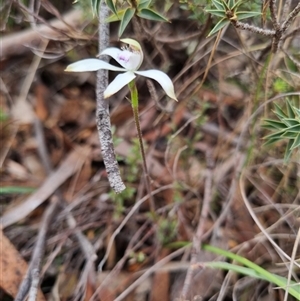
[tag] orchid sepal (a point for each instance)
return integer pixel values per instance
(118, 83)
(91, 65)
(162, 78)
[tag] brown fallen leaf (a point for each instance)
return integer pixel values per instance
(71, 164)
(13, 268)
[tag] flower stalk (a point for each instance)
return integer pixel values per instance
(130, 59)
(135, 110)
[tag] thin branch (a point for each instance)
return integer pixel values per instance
(277, 42)
(198, 237)
(274, 18)
(148, 272)
(294, 60)
(291, 17)
(291, 33)
(286, 9)
(32, 279)
(254, 29)
(15, 43)
(102, 111)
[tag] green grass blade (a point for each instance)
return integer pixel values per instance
(257, 271)
(15, 190)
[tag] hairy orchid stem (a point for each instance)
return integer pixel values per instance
(135, 109)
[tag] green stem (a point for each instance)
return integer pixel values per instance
(135, 109)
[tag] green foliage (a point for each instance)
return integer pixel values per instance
(167, 230)
(3, 116)
(286, 127)
(196, 7)
(140, 8)
(131, 174)
(281, 86)
(138, 257)
(133, 162)
(228, 11)
(120, 198)
(15, 190)
(245, 267)
(251, 269)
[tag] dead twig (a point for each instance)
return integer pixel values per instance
(102, 111)
(278, 31)
(17, 43)
(198, 237)
(32, 279)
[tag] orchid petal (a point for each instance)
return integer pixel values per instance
(127, 59)
(91, 65)
(118, 83)
(162, 78)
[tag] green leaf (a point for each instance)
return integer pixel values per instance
(290, 121)
(297, 112)
(216, 12)
(231, 4)
(111, 6)
(219, 5)
(274, 124)
(290, 110)
(288, 152)
(294, 128)
(147, 13)
(276, 135)
(237, 4)
(296, 142)
(245, 15)
(128, 15)
(278, 111)
(117, 17)
(289, 135)
(271, 141)
(95, 7)
(144, 4)
(222, 23)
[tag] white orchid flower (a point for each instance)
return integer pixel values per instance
(130, 59)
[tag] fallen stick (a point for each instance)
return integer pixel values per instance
(17, 43)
